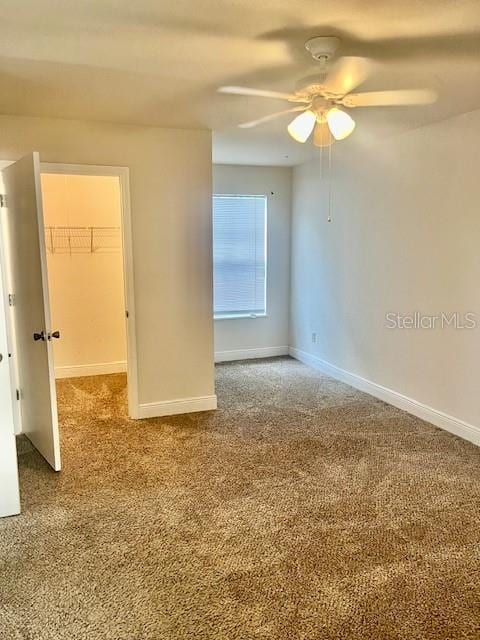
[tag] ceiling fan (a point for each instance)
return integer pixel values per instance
(319, 98)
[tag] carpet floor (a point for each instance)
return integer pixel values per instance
(301, 509)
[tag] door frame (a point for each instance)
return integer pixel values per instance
(123, 175)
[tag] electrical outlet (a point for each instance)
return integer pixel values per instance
(314, 337)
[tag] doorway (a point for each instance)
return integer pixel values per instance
(87, 234)
(82, 219)
(82, 242)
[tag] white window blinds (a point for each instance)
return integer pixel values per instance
(239, 255)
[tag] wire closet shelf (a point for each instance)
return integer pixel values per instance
(73, 240)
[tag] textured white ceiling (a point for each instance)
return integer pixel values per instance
(159, 63)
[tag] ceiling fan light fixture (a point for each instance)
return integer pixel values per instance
(301, 127)
(340, 123)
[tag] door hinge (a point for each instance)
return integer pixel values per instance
(3, 200)
(19, 395)
(126, 314)
(11, 299)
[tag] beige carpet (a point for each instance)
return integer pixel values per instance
(301, 509)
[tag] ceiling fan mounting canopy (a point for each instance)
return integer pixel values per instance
(322, 48)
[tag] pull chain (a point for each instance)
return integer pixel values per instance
(321, 162)
(329, 175)
(329, 218)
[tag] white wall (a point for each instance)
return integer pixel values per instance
(248, 337)
(170, 184)
(86, 288)
(405, 237)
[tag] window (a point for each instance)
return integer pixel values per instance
(239, 255)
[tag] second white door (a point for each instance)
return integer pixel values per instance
(31, 311)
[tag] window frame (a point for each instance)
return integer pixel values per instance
(243, 315)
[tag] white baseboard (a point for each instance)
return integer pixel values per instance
(173, 407)
(80, 370)
(423, 411)
(248, 354)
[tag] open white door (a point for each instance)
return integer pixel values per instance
(9, 494)
(31, 311)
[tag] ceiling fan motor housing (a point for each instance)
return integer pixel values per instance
(310, 86)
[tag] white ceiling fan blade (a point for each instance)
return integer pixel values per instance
(346, 74)
(390, 98)
(271, 116)
(260, 93)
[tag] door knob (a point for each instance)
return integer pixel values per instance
(39, 336)
(54, 334)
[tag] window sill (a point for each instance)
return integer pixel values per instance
(250, 316)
